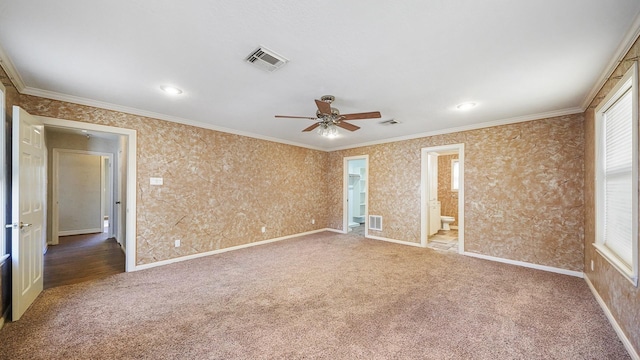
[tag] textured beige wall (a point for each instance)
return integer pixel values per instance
(219, 189)
(448, 198)
(523, 189)
(621, 297)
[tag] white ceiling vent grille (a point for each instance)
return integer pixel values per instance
(266, 59)
(390, 122)
(375, 222)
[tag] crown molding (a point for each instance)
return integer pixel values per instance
(513, 120)
(10, 69)
(625, 45)
(129, 110)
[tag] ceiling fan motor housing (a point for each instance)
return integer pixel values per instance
(334, 113)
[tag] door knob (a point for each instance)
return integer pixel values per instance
(24, 225)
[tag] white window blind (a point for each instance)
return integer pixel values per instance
(618, 178)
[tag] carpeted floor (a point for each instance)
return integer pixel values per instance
(323, 296)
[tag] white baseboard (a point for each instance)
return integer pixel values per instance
(579, 274)
(79, 232)
(220, 251)
(4, 316)
(336, 231)
(625, 341)
(393, 241)
(454, 227)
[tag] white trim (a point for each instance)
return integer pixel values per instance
(5, 316)
(55, 215)
(79, 232)
(623, 48)
(345, 193)
(10, 69)
(612, 320)
(4, 176)
(552, 269)
(19, 84)
(514, 120)
(628, 82)
(424, 186)
(220, 251)
(336, 231)
(401, 242)
(131, 210)
(150, 114)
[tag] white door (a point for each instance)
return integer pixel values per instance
(28, 212)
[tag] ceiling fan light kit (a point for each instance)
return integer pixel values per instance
(328, 130)
(329, 118)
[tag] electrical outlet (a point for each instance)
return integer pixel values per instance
(313, 221)
(591, 265)
(264, 229)
(176, 243)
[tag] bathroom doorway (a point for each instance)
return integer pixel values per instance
(442, 198)
(356, 188)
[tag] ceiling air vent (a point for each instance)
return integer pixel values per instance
(266, 59)
(390, 122)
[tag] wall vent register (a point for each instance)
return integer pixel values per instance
(375, 222)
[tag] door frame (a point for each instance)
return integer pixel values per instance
(131, 178)
(4, 182)
(345, 193)
(55, 214)
(424, 188)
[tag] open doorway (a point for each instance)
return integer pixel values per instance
(119, 178)
(83, 165)
(356, 191)
(442, 200)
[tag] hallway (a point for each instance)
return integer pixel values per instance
(80, 258)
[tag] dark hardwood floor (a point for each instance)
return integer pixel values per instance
(80, 258)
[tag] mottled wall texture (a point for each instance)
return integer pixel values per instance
(621, 297)
(523, 189)
(448, 198)
(219, 189)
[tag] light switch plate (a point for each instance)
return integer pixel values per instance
(155, 181)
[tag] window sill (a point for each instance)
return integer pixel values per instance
(617, 263)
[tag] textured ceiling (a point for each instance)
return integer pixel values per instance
(413, 61)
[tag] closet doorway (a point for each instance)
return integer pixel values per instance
(356, 195)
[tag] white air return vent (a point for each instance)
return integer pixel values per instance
(375, 222)
(266, 59)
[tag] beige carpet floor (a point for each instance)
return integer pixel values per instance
(324, 296)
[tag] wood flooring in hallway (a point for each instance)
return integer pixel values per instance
(80, 258)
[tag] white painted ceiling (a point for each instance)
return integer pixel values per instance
(413, 61)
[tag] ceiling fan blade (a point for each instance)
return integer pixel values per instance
(324, 107)
(311, 127)
(346, 125)
(296, 117)
(360, 116)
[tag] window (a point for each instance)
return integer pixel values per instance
(617, 176)
(455, 175)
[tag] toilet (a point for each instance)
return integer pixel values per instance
(446, 220)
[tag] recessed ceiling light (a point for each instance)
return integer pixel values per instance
(171, 90)
(466, 106)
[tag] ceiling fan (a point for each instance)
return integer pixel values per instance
(328, 118)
